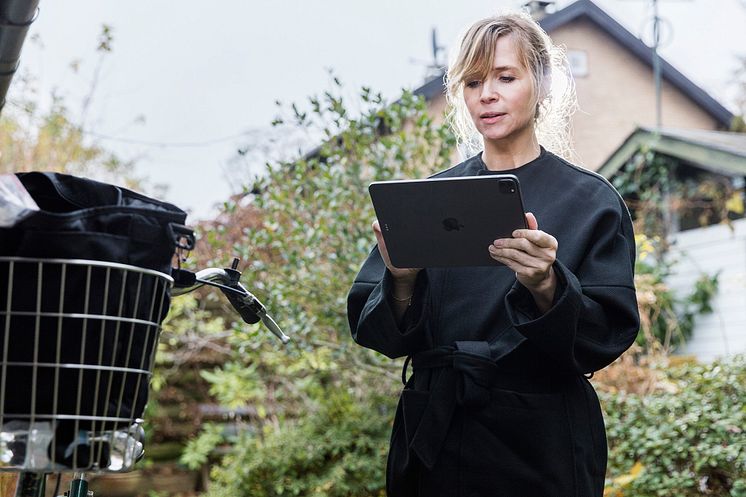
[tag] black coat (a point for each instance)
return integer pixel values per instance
(499, 403)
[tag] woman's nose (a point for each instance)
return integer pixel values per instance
(489, 92)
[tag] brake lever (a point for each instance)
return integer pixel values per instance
(251, 309)
(242, 300)
(249, 306)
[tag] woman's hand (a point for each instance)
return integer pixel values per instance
(530, 253)
(401, 275)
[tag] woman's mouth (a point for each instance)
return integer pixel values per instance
(491, 117)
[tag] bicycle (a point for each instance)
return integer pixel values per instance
(83, 411)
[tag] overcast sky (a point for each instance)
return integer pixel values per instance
(184, 73)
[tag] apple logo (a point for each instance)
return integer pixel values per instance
(452, 224)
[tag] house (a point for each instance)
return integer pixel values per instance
(695, 249)
(613, 72)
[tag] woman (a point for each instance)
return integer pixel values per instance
(499, 403)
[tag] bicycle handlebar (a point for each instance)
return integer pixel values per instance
(245, 303)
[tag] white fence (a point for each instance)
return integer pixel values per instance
(710, 250)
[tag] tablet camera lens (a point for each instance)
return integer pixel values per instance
(507, 187)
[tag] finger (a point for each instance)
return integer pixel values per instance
(511, 264)
(547, 253)
(515, 266)
(527, 271)
(522, 244)
(379, 239)
(531, 221)
(381, 244)
(537, 237)
(524, 260)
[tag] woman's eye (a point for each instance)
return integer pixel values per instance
(507, 79)
(473, 84)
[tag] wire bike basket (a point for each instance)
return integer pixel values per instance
(77, 346)
(83, 290)
(86, 279)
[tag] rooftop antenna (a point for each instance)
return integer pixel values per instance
(436, 67)
(657, 64)
(657, 20)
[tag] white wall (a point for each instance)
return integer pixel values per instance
(712, 249)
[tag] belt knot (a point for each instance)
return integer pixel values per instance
(465, 381)
(473, 383)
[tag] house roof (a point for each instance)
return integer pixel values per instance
(720, 152)
(586, 9)
(432, 88)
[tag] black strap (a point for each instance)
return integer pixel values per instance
(478, 348)
(404, 369)
(465, 381)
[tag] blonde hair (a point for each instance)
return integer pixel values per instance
(554, 89)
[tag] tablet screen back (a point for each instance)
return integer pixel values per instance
(447, 222)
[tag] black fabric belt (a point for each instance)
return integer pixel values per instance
(469, 373)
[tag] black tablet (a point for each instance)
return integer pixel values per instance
(447, 222)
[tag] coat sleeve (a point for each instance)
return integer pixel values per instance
(594, 316)
(371, 318)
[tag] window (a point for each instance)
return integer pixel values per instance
(578, 60)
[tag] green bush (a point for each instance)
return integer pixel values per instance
(304, 228)
(338, 452)
(686, 440)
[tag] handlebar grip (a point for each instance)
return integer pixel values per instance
(183, 278)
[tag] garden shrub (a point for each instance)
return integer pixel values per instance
(682, 441)
(338, 452)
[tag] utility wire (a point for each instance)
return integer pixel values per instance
(161, 144)
(195, 144)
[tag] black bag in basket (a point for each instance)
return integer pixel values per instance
(108, 312)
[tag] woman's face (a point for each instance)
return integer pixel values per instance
(502, 106)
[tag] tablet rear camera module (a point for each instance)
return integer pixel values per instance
(507, 186)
